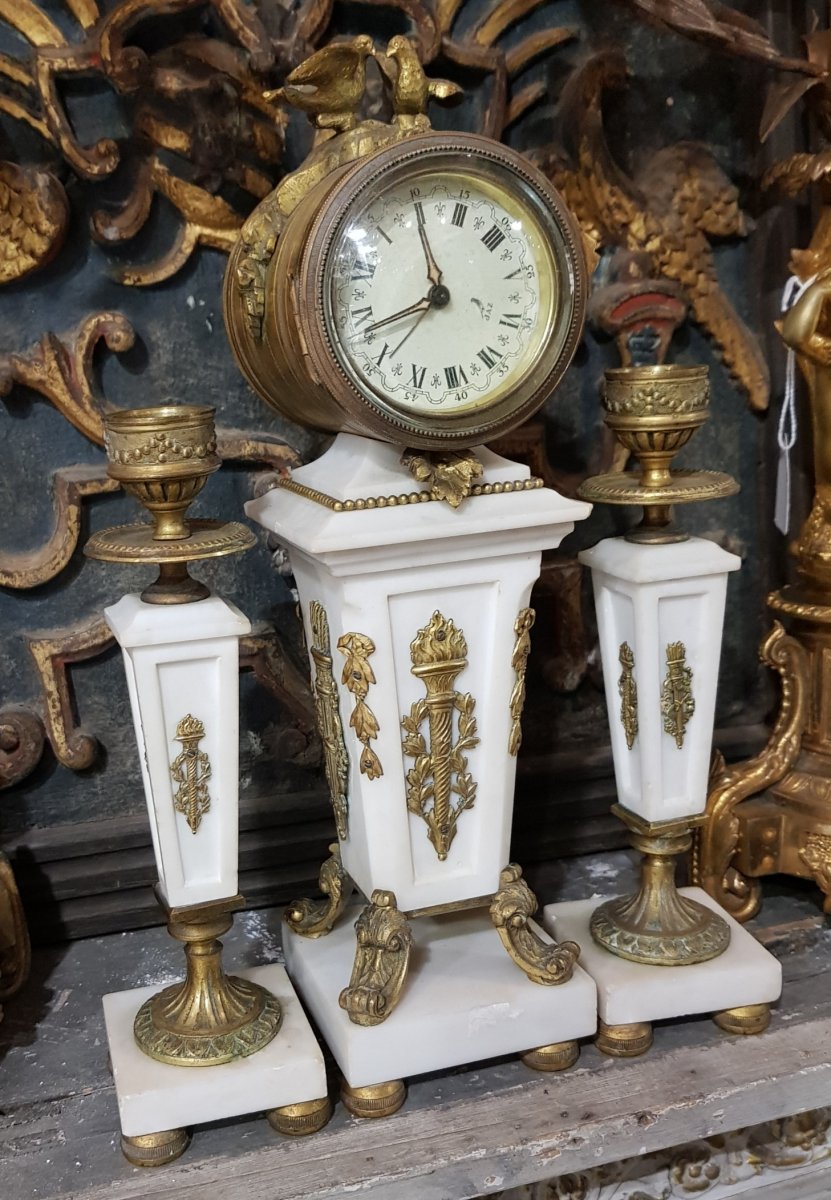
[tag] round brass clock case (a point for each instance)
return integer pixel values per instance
(431, 294)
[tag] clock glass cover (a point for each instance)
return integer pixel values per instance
(448, 285)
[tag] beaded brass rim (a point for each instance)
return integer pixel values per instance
(479, 489)
(136, 544)
(376, 416)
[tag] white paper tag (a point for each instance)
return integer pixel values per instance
(787, 430)
(782, 504)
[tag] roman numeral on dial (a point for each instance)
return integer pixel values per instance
(493, 238)
(382, 355)
(459, 214)
(512, 320)
(455, 377)
(362, 316)
(489, 356)
(362, 271)
(418, 376)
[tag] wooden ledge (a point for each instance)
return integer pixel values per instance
(466, 1133)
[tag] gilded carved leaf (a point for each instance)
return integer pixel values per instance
(34, 213)
(667, 214)
(720, 25)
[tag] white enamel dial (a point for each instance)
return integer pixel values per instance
(440, 291)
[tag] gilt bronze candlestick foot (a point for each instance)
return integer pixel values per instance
(299, 1120)
(656, 925)
(624, 1041)
(211, 1017)
(155, 1149)
(557, 1057)
(374, 1100)
(749, 1019)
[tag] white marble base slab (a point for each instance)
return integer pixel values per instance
(464, 1000)
(154, 1097)
(629, 992)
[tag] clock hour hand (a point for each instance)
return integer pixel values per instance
(420, 307)
(433, 272)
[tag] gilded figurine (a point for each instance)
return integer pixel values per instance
(770, 813)
(330, 84)
(411, 89)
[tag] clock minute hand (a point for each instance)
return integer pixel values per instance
(422, 306)
(433, 272)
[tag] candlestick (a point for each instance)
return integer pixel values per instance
(660, 598)
(181, 655)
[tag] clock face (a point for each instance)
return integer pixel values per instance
(443, 291)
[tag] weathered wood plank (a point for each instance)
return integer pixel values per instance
(466, 1133)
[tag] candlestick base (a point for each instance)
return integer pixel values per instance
(736, 988)
(658, 926)
(286, 1079)
(211, 1017)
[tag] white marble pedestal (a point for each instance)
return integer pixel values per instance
(630, 995)
(464, 999)
(154, 1097)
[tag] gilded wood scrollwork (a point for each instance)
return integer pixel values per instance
(716, 841)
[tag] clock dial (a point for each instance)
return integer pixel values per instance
(441, 288)
(430, 293)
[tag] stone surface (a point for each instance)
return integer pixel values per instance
(154, 1096)
(464, 1000)
(627, 992)
(650, 597)
(183, 660)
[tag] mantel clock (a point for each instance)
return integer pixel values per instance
(417, 293)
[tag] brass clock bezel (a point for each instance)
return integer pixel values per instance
(290, 361)
(370, 413)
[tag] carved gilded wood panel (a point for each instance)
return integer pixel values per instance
(135, 139)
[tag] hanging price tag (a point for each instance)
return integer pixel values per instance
(787, 430)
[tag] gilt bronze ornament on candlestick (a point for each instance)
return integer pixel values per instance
(181, 654)
(660, 597)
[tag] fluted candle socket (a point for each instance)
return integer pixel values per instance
(163, 456)
(653, 412)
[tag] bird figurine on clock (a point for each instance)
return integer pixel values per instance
(418, 294)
